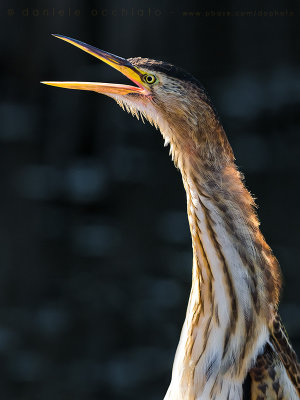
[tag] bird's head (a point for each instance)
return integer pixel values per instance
(167, 96)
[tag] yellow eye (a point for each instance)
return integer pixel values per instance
(150, 79)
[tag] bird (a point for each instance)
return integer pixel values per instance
(233, 345)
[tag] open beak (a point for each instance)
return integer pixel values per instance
(119, 63)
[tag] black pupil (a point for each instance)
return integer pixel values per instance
(149, 79)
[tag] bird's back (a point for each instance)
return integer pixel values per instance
(276, 373)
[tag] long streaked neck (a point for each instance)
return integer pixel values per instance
(234, 282)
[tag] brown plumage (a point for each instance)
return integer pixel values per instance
(233, 345)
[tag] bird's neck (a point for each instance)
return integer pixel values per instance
(234, 283)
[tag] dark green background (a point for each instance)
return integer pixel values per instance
(95, 252)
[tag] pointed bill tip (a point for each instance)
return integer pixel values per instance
(68, 85)
(58, 35)
(47, 83)
(66, 38)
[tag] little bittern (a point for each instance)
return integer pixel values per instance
(233, 345)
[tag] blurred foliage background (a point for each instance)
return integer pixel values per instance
(95, 248)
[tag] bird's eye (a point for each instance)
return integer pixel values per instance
(150, 79)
